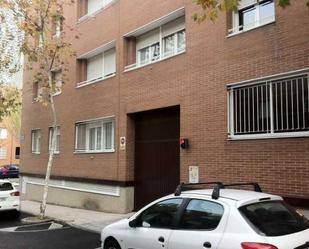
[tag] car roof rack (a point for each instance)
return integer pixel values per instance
(216, 192)
(190, 186)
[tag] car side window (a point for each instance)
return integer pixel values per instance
(201, 215)
(160, 215)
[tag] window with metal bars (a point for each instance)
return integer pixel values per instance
(271, 107)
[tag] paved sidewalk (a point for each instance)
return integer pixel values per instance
(85, 219)
(304, 212)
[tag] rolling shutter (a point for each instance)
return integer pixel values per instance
(109, 62)
(95, 67)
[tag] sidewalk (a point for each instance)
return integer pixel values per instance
(304, 212)
(80, 218)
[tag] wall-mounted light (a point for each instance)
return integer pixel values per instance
(184, 143)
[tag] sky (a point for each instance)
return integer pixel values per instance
(10, 42)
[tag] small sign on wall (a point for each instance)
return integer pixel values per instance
(122, 143)
(194, 174)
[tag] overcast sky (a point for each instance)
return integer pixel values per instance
(10, 41)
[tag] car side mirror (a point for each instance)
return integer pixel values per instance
(133, 223)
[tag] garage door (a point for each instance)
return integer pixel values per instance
(157, 168)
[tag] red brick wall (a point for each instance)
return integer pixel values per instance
(10, 143)
(195, 80)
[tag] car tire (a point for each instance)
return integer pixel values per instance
(111, 244)
(16, 214)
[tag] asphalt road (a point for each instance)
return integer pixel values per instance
(60, 238)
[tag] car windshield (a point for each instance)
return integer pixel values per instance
(274, 218)
(6, 186)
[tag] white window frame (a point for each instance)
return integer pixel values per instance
(272, 133)
(57, 150)
(3, 133)
(59, 91)
(104, 4)
(58, 28)
(176, 48)
(36, 150)
(3, 153)
(161, 56)
(94, 124)
(99, 51)
(236, 28)
(151, 58)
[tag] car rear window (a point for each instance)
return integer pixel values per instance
(6, 186)
(274, 218)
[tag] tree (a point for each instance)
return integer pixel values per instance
(212, 8)
(10, 43)
(46, 53)
(12, 120)
(10, 101)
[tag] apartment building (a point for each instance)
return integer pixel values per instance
(154, 99)
(9, 148)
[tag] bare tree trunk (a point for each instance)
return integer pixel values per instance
(51, 151)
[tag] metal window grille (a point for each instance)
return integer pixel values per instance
(275, 106)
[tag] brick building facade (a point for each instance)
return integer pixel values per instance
(9, 148)
(146, 75)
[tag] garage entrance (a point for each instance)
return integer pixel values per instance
(157, 168)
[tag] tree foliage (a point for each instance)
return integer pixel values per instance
(10, 43)
(46, 51)
(10, 101)
(12, 121)
(212, 8)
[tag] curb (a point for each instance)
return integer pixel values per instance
(63, 222)
(84, 228)
(35, 220)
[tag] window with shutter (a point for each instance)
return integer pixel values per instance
(36, 141)
(252, 14)
(109, 62)
(95, 67)
(95, 136)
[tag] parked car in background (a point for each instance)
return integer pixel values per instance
(9, 197)
(218, 218)
(9, 171)
(3, 172)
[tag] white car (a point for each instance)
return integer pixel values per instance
(9, 197)
(218, 218)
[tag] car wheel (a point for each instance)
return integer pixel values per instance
(15, 214)
(111, 244)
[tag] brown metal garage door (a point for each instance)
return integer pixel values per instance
(156, 154)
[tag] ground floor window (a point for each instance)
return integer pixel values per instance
(35, 141)
(57, 145)
(17, 153)
(3, 153)
(95, 136)
(270, 107)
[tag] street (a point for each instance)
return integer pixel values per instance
(50, 235)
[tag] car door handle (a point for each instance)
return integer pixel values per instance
(207, 244)
(161, 239)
